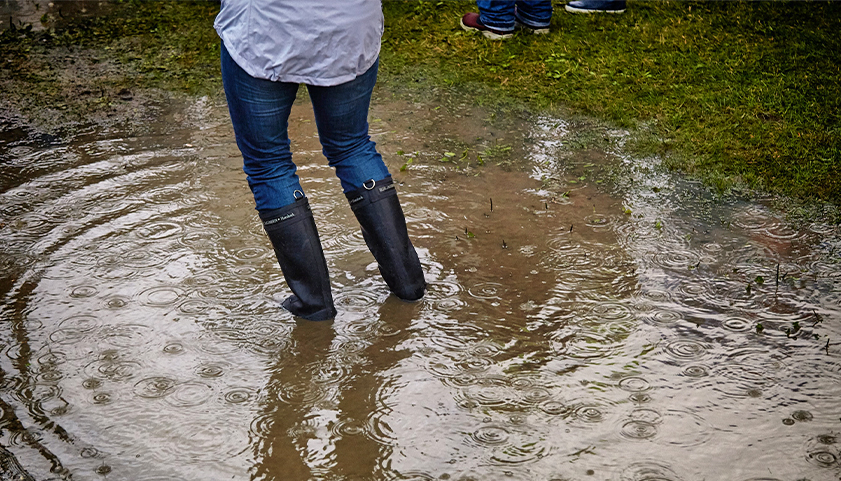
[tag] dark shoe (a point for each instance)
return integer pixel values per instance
(472, 23)
(298, 249)
(592, 6)
(384, 230)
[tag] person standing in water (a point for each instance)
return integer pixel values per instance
(269, 48)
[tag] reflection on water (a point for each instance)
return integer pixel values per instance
(571, 330)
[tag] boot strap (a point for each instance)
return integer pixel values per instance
(364, 196)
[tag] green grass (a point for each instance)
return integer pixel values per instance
(737, 93)
(153, 44)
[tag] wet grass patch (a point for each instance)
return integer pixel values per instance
(738, 93)
(77, 69)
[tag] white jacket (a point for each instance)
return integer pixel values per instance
(315, 42)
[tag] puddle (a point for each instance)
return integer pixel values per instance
(578, 325)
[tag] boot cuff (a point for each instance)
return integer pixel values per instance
(288, 214)
(363, 196)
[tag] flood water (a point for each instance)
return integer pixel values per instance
(625, 328)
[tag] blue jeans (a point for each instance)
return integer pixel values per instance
(500, 15)
(259, 111)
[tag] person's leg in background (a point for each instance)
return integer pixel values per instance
(259, 112)
(341, 115)
(495, 19)
(596, 6)
(534, 15)
(497, 14)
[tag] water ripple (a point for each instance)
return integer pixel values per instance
(347, 428)
(490, 435)
(160, 296)
(664, 317)
(262, 425)
(113, 370)
(158, 230)
(211, 370)
(696, 371)
(141, 258)
(823, 451)
(129, 335)
(649, 471)
(188, 394)
(519, 449)
(591, 410)
(327, 372)
(80, 292)
(155, 387)
(102, 398)
(239, 395)
(298, 394)
(684, 428)
(610, 311)
(483, 349)
(636, 429)
(174, 347)
(490, 395)
(686, 349)
(678, 260)
(449, 305)
(737, 324)
(586, 345)
(749, 372)
(80, 324)
(443, 289)
(555, 408)
(378, 429)
(487, 291)
(266, 346)
(599, 221)
(634, 384)
(474, 364)
(116, 302)
(52, 359)
(354, 299)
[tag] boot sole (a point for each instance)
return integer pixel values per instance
(537, 31)
(584, 10)
(487, 33)
(533, 30)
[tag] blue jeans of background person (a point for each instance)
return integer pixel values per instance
(260, 110)
(501, 15)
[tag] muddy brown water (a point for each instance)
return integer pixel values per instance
(574, 328)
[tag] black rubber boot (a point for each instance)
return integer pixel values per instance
(298, 249)
(384, 229)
